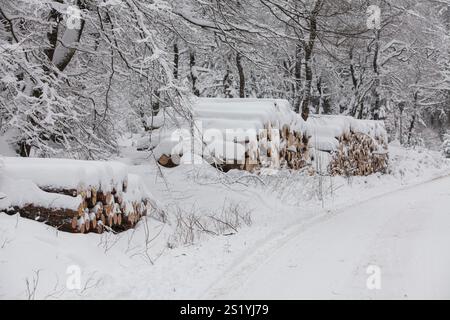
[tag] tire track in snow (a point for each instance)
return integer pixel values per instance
(251, 259)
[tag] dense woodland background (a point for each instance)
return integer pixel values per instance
(72, 82)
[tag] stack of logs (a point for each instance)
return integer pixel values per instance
(97, 212)
(274, 148)
(359, 155)
(294, 149)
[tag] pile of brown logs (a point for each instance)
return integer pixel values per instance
(97, 212)
(274, 148)
(359, 155)
(294, 150)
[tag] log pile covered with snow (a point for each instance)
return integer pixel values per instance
(247, 134)
(255, 134)
(73, 195)
(354, 147)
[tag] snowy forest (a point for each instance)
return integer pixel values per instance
(72, 91)
(117, 163)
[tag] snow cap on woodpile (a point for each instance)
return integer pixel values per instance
(22, 192)
(67, 173)
(240, 113)
(326, 130)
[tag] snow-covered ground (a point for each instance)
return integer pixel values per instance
(401, 238)
(224, 235)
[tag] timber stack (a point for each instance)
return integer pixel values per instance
(258, 134)
(244, 134)
(356, 147)
(71, 195)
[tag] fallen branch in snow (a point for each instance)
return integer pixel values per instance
(191, 225)
(32, 286)
(254, 177)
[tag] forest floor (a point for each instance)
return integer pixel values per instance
(318, 232)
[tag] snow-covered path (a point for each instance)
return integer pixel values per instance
(406, 234)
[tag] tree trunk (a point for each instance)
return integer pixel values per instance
(361, 111)
(52, 35)
(176, 60)
(24, 149)
(356, 104)
(65, 51)
(156, 103)
(194, 75)
(414, 117)
(241, 76)
(401, 107)
(319, 107)
(377, 82)
(308, 48)
(411, 127)
(308, 84)
(227, 84)
(298, 75)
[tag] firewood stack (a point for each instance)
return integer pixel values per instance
(97, 212)
(80, 208)
(282, 148)
(359, 155)
(275, 135)
(273, 148)
(294, 148)
(355, 147)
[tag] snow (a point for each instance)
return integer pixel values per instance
(329, 126)
(166, 136)
(287, 233)
(225, 150)
(324, 143)
(307, 214)
(66, 173)
(20, 192)
(372, 128)
(325, 130)
(155, 121)
(137, 190)
(5, 147)
(321, 159)
(405, 235)
(257, 111)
